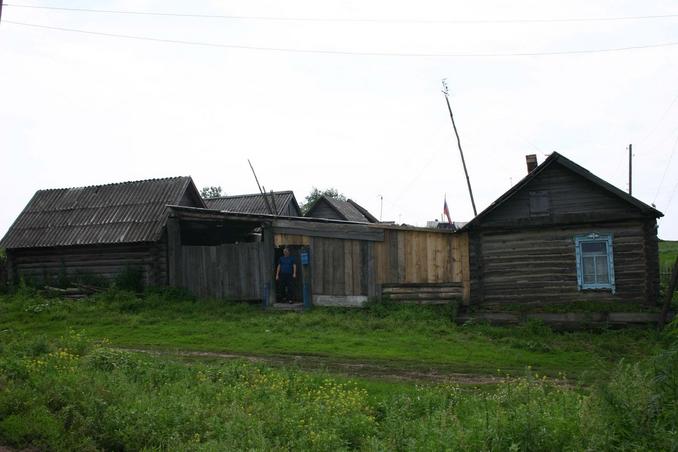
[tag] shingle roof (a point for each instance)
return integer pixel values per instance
(102, 214)
(556, 158)
(349, 210)
(253, 203)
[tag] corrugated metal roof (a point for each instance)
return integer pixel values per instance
(253, 203)
(101, 214)
(349, 210)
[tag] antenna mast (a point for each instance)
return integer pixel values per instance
(463, 162)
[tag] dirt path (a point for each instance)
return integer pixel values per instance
(388, 370)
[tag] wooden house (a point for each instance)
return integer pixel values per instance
(563, 235)
(98, 230)
(281, 203)
(337, 209)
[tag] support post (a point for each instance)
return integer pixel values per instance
(305, 257)
(174, 257)
(268, 266)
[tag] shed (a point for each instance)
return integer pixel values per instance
(282, 202)
(337, 209)
(563, 235)
(98, 230)
(231, 255)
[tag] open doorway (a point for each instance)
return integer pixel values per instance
(297, 292)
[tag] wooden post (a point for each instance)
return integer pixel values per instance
(267, 265)
(12, 278)
(668, 296)
(174, 252)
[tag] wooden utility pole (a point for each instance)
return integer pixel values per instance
(263, 195)
(630, 168)
(463, 162)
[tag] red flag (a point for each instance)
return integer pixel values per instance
(446, 211)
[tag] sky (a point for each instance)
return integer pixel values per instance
(343, 94)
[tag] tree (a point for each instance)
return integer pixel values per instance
(210, 192)
(316, 194)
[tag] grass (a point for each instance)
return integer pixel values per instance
(72, 393)
(668, 251)
(407, 337)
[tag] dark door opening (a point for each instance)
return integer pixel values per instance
(297, 282)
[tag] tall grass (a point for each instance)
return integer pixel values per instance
(72, 393)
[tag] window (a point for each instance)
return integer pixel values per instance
(540, 203)
(595, 266)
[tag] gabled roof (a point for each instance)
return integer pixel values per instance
(558, 159)
(124, 212)
(348, 210)
(254, 203)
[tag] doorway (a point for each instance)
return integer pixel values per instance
(295, 253)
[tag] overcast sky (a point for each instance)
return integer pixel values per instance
(80, 109)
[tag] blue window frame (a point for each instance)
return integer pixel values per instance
(595, 265)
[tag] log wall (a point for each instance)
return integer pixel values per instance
(538, 266)
(44, 265)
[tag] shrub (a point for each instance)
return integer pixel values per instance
(131, 279)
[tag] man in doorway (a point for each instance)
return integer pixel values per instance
(286, 273)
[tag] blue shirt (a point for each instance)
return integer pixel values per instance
(286, 263)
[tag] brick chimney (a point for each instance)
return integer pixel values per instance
(531, 161)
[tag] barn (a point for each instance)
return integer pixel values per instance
(563, 235)
(97, 231)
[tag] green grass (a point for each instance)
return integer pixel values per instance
(70, 393)
(668, 251)
(408, 337)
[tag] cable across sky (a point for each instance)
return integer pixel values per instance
(348, 52)
(351, 20)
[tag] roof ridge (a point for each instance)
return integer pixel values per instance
(252, 194)
(116, 183)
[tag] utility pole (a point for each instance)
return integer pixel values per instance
(463, 162)
(381, 206)
(630, 167)
(263, 195)
(0, 10)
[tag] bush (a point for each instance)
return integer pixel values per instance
(131, 279)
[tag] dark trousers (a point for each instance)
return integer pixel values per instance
(287, 286)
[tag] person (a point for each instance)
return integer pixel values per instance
(286, 273)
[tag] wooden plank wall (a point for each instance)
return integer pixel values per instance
(356, 267)
(38, 264)
(538, 266)
(231, 271)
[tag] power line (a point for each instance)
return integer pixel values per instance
(353, 20)
(346, 52)
(666, 169)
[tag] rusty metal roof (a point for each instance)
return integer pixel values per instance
(102, 214)
(254, 203)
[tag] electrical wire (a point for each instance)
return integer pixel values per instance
(352, 20)
(346, 52)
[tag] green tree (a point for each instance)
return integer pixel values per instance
(317, 193)
(210, 192)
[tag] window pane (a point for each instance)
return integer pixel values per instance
(589, 270)
(601, 270)
(594, 247)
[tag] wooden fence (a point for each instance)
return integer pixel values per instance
(223, 271)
